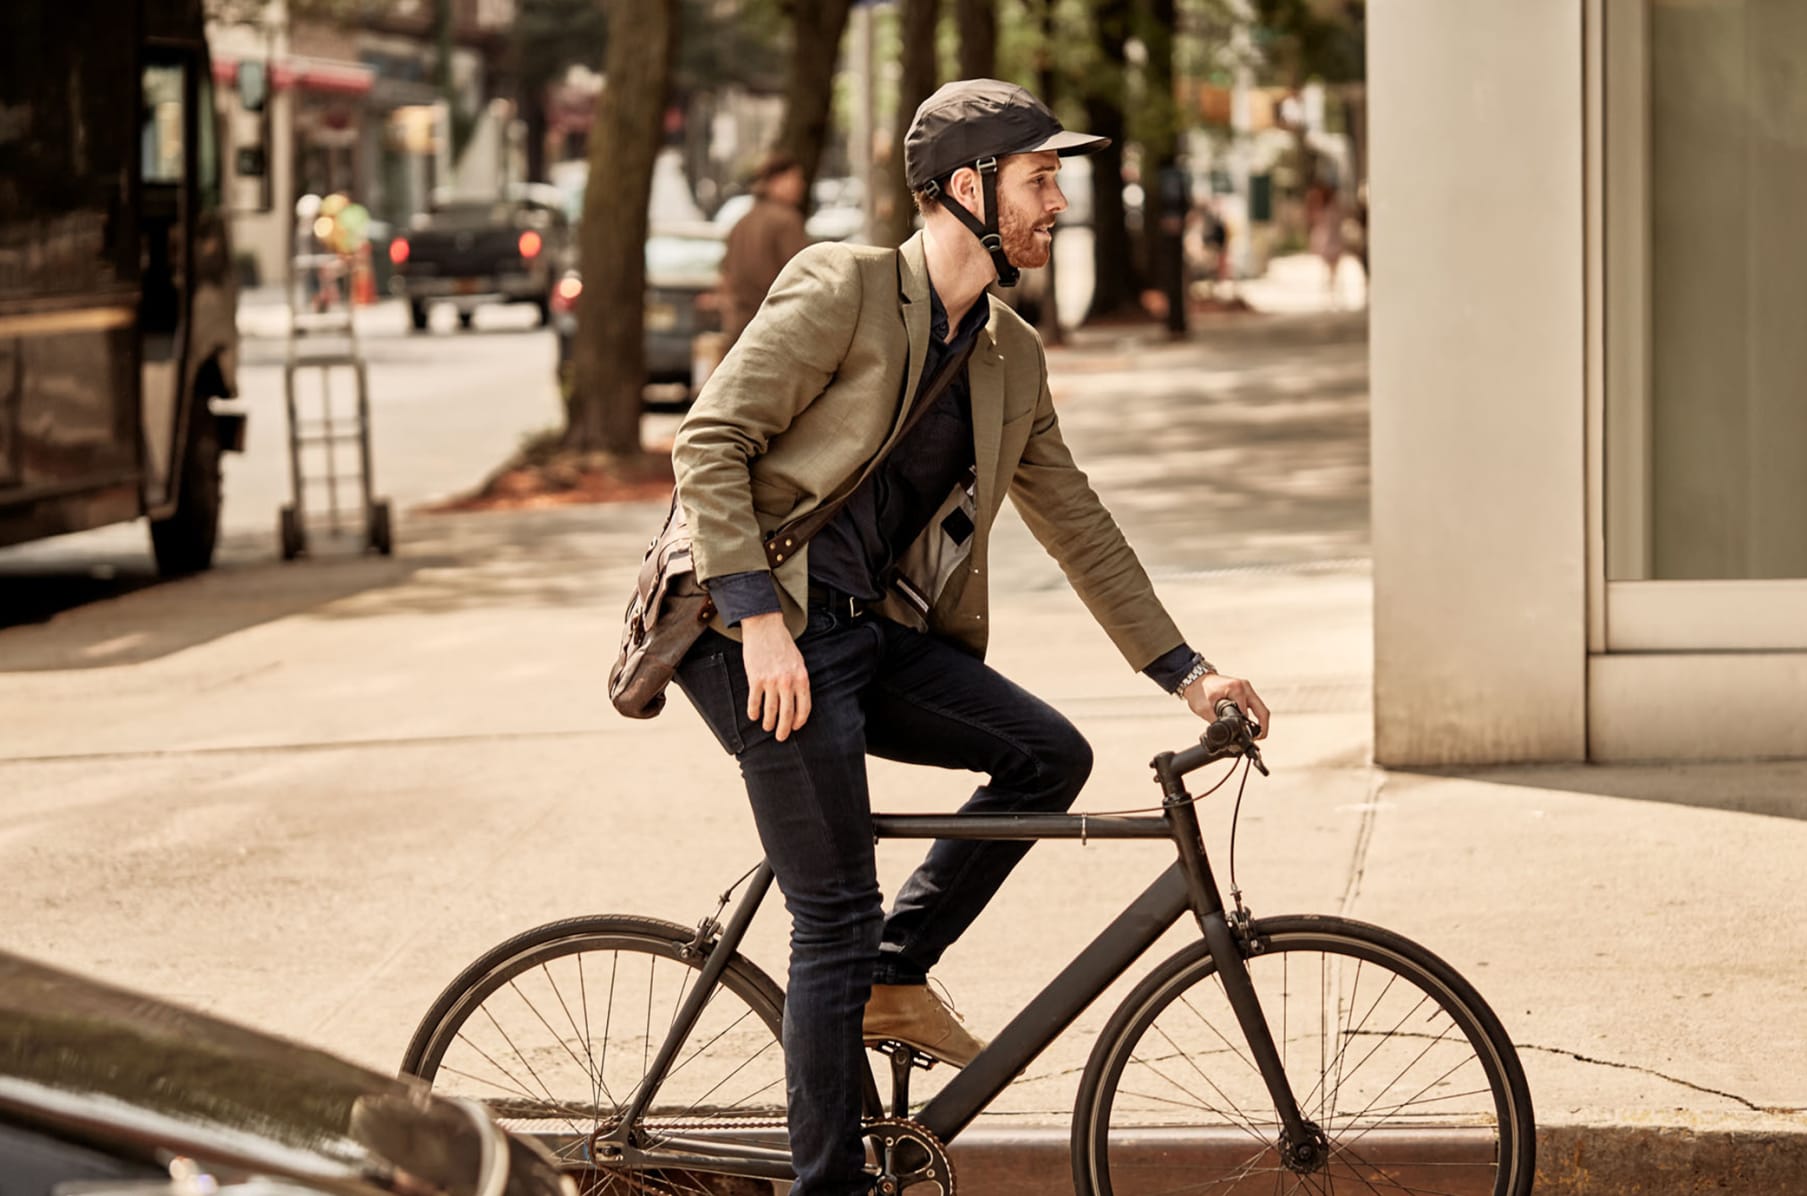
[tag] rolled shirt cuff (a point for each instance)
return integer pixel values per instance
(742, 595)
(1167, 669)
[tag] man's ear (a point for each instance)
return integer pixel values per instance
(965, 190)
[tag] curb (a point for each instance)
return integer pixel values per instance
(1579, 1160)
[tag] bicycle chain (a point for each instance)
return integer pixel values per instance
(939, 1171)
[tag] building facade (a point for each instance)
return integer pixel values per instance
(1589, 379)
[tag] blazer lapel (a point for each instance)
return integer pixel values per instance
(913, 299)
(985, 377)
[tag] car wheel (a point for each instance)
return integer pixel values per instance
(417, 315)
(464, 320)
(184, 542)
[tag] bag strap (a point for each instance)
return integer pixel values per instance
(787, 541)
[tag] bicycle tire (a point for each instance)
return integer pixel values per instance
(560, 1082)
(1172, 1101)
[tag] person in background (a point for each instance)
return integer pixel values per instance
(762, 241)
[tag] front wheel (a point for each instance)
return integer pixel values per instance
(554, 1031)
(1406, 1078)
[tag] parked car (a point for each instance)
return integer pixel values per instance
(469, 252)
(108, 1092)
(683, 311)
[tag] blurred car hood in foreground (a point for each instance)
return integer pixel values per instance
(140, 1077)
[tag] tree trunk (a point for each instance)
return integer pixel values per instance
(1165, 184)
(603, 410)
(916, 24)
(809, 89)
(1115, 282)
(977, 22)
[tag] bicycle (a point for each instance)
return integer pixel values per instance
(1393, 1077)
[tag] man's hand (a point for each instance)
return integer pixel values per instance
(777, 681)
(1204, 694)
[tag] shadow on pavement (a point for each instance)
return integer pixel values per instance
(1777, 790)
(60, 615)
(94, 613)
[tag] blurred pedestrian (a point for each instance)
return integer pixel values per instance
(762, 241)
(1324, 210)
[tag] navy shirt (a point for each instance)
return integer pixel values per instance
(855, 553)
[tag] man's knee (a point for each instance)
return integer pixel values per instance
(839, 922)
(1062, 763)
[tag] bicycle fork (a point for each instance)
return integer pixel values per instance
(1303, 1146)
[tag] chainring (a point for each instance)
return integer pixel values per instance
(909, 1157)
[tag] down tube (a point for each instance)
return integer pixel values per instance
(1107, 957)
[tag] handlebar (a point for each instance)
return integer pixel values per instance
(1232, 734)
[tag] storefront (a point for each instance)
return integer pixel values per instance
(1590, 379)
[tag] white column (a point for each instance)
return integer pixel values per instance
(1477, 333)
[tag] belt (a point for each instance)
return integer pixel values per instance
(823, 597)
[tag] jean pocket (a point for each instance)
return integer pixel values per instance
(708, 684)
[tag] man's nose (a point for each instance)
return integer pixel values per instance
(1058, 202)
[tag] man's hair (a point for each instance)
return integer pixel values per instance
(925, 203)
(773, 165)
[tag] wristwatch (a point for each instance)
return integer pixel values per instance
(1200, 668)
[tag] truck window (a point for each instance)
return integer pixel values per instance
(160, 138)
(207, 151)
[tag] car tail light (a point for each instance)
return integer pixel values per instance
(564, 295)
(398, 250)
(530, 244)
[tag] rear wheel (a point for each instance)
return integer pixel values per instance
(464, 320)
(184, 542)
(554, 1030)
(1407, 1079)
(417, 315)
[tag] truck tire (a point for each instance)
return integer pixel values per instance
(184, 542)
(417, 315)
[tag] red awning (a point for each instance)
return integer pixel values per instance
(309, 74)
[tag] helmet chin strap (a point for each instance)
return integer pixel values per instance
(988, 231)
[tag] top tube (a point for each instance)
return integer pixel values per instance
(1017, 826)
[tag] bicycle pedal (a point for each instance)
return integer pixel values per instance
(891, 1048)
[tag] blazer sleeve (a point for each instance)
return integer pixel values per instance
(783, 360)
(1063, 512)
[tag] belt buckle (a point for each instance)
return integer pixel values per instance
(855, 609)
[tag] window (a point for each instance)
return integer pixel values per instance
(161, 148)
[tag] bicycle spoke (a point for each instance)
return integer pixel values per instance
(1414, 1061)
(534, 1009)
(1247, 1121)
(1201, 1017)
(1384, 1182)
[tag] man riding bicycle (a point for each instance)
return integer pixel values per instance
(869, 639)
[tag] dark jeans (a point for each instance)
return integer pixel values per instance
(875, 687)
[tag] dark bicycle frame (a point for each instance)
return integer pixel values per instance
(1188, 883)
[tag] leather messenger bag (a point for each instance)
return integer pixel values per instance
(669, 608)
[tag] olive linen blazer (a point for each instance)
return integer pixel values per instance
(821, 380)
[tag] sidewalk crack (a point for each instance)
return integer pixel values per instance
(1364, 838)
(1651, 1071)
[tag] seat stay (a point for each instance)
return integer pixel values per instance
(721, 949)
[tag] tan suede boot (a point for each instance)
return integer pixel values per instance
(915, 1015)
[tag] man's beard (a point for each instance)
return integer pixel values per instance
(1017, 230)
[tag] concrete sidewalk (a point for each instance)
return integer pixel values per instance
(305, 796)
